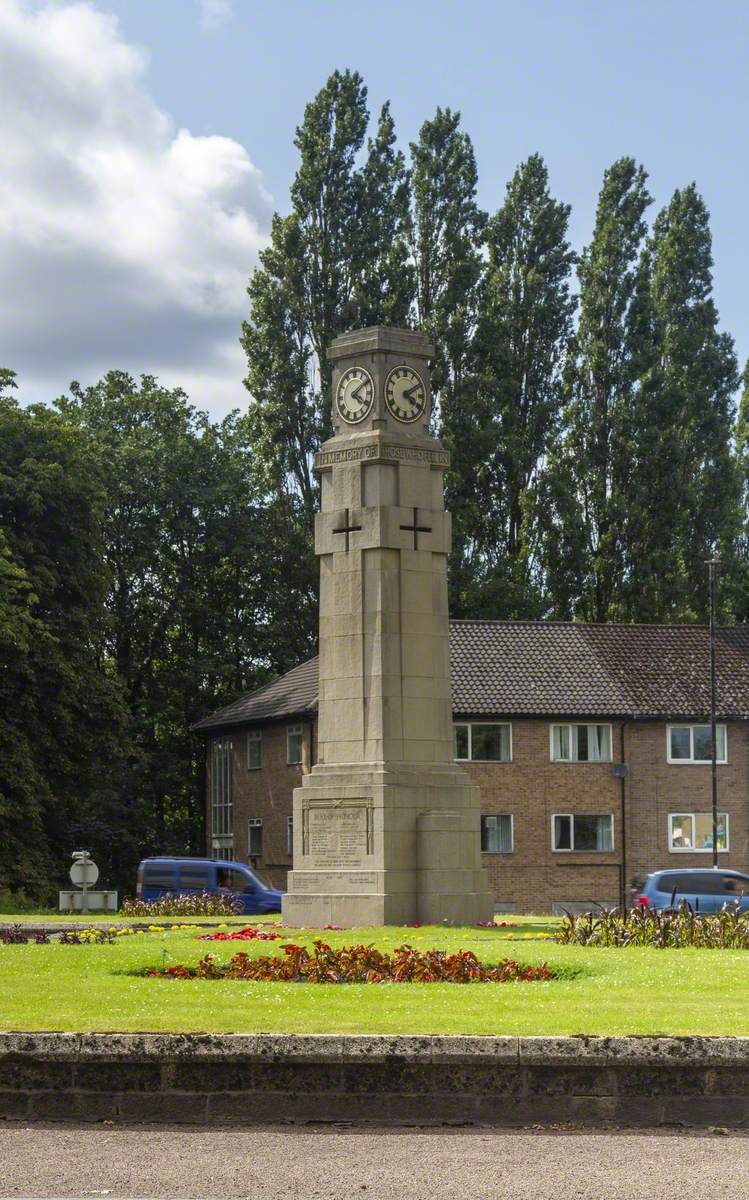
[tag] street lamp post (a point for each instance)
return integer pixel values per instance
(712, 565)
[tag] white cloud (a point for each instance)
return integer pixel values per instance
(124, 241)
(214, 14)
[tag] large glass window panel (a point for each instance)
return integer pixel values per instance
(703, 831)
(593, 833)
(490, 743)
(680, 742)
(294, 740)
(254, 751)
(255, 836)
(702, 743)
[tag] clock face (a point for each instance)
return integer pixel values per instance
(405, 394)
(354, 395)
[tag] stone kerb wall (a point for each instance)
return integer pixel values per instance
(237, 1079)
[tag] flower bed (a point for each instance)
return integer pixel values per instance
(620, 928)
(204, 904)
(250, 934)
(358, 964)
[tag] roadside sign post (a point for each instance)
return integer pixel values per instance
(84, 874)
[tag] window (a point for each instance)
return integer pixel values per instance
(581, 743)
(693, 744)
(496, 833)
(290, 836)
(254, 750)
(222, 841)
(483, 743)
(694, 831)
(254, 836)
(194, 878)
(157, 876)
(294, 742)
(579, 831)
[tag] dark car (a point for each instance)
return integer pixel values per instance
(184, 876)
(705, 889)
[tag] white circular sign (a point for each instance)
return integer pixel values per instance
(84, 874)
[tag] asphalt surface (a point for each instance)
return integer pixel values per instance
(333, 1163)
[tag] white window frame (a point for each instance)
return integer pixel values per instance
(290, 836)
(698, 849)
(572, 849)
(469, 726)
(585, 762)
(294, 731)
(512, 833)
(255, 738)
(692, 761)
(254, 823)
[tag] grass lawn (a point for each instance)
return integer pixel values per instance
(639, 991)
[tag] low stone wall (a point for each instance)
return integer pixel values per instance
(237, 1079)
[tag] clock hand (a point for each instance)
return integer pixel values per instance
(408, 393)
(356, 394)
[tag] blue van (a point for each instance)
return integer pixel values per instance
(705, 889)
(184, 876)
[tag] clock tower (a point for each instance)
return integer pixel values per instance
(386, 824)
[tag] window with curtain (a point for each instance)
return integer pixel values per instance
(581, 831)
(694, 832)
(496, 833)
(581, 743)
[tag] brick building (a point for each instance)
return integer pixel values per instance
(590, 745)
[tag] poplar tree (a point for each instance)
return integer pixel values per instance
(337, 260)
(741, 581)
(585, 488)
(521, 342)
(684, 486)
(447, 234)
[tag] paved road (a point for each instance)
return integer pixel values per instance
(338, 1164)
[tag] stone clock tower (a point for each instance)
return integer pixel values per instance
(386, 825)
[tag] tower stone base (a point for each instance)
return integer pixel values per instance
(386, 844)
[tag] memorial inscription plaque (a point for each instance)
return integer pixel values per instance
(338, 836)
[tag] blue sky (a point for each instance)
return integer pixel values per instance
(581, 82)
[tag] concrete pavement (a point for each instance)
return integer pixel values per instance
(337, 1163)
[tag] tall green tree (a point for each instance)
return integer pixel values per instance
(339, 259)
(523, 331)
(586, 485)
(447, 234)
(740, 597)
(200, 606)
(62, 722)
(683, 499)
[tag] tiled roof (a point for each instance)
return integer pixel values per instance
(290, 695)
(539, 668)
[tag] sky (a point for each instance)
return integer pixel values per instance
(146, 144)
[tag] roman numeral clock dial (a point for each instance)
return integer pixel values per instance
(405, 394)
(354, 395)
